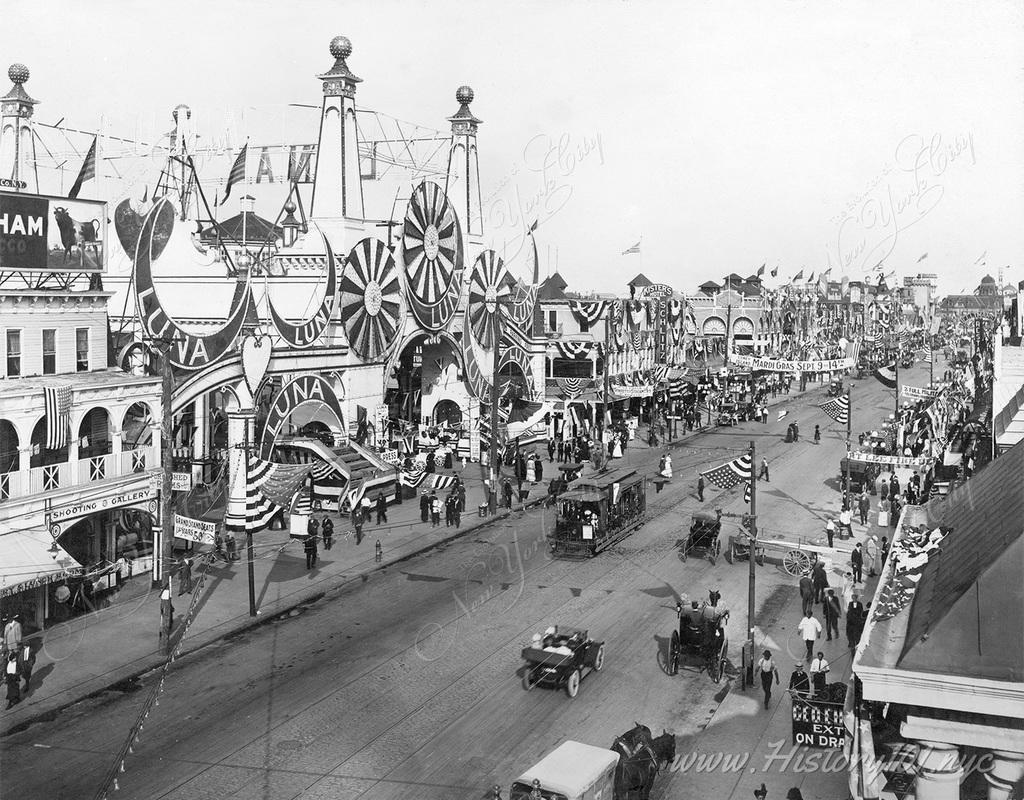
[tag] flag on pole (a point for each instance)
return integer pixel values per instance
(798, 277)
(810, 278)
(731, 473)
(775, 270)
(928, 356)
(746, 492)
(58, 415)
(838, 409)
(886, 375)
(88, 171)
(237, 170)
(536, 222)
(760, 272)
(634, 249)
(922, 258)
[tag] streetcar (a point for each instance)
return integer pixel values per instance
(598, 511)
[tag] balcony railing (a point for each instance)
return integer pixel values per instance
(94, 469)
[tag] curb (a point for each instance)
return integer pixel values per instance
(273, 613)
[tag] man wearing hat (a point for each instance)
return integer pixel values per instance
(799, 683)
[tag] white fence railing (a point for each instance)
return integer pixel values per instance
(93, 469)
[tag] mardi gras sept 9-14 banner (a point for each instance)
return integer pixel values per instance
(785, 365)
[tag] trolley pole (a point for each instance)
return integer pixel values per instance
(166, 492)
(751, 575)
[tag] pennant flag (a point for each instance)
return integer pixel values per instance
(886, 375)
(237, 171)
(88, 171)
(634, 249)
(798, 277)
(810, 278)
(783, 414)
(838, 409)
(760, 272)
(58, 415)
(533, 227)
(731, 473)
(775, 271)
(922, 258)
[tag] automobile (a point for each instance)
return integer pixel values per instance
(561, 658)
(705, 528)
(572, 771)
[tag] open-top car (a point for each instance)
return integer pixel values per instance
(562, 657)
(703, 537)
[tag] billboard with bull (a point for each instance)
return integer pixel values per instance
(39, 233)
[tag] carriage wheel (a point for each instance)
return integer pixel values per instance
(599, 659)
(673, 654)
(730, 554)
(572, 686)
(528, 682)
(759, 557)
(711, 555)
(796, 563)
(683, 555)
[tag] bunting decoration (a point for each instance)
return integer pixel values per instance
(572, 388)
(636, 340)
(58, 415)
(573, 350)
(269, 489)
(838, 409)
(588, 312)
(927, 358)
(886, 375)
(636, 313)
(731, 473)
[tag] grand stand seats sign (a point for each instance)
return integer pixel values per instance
(51, 234)
(818, 724)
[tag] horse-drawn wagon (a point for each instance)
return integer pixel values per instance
(705, 528)
(598, 511)
(700, 634)
(562, 657)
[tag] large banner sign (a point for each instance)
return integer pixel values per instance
(51, 234)
(892, 461)
(783, 365)
(633, 391)
(307, 333)
(301, 390)
(917, 393)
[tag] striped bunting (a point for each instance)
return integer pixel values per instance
(731, 473)
(927, 356)
(58, 415)
(269, 488)
(573, 349)
(587, 312)
(838, 409)
(636, 340)
(571, 388)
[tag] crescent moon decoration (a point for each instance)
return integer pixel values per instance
(307, 333)
(487, 288)
(433, 256)
(516, 355)
(524, 298)
(371, 299)
(475, 378)
(190, 352)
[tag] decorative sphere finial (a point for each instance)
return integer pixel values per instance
(18, 73)
(464, 95)
(181, 107)
(341, 47)
(289, 207)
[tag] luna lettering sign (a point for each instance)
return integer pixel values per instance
(308, 332)
(188, 351)
(784, 365)
(301, 390)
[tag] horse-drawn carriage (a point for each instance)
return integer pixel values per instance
(835, 389)
(728, 413)
(598, 511)
(562, 657)
(577, 771)
(862, 474)
(703, 537)
(701, 634)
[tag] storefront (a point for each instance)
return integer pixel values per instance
(31, 566)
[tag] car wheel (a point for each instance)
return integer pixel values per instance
(528, 680)
(599, 659)
(572, 686)
(683, 554)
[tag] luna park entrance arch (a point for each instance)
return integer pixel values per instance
(428, 365)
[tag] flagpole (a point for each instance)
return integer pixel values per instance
(752, 556)
(248, 522)
(849, 437)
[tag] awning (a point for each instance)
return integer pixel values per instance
(26, 561)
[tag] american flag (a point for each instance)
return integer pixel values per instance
(237, 171)
(88, 171)
(838, 409)
(58, 415)
(634, 249)
(731, 473)
(928, 356)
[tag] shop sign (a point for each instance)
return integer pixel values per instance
(54, 234)
(196, 530)
(818, 724)
(785, 365)
(11, 183)
(916, 392)
(86, 507)
(657, 291)
(391, 457)
(633, 391)
(181, 481)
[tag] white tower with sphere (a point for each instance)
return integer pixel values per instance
(338, 188)
(17, 142)
(462, 185)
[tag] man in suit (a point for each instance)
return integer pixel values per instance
(807, 593)
(857, 562)
(799, 682)
(854, 621)
(832, 612)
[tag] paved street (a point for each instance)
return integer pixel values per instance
(408, 684)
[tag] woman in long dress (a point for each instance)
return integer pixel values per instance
(616, 447)
(666, 469)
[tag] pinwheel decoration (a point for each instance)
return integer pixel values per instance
(371, 299)
(433, 256)
(488, 287)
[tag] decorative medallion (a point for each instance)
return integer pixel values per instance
(487, 288)
(371, 299)
(433, 256)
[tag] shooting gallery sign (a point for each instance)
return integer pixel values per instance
(817, 724)
(303, 389)
(52, 234)
(785, 365)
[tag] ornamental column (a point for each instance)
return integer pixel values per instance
(939, 771)
(1007, 769)
(241, 428)
(462, 184)
(337, 187)
(17, 145)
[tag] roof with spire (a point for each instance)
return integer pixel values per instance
(640, 281)
(553, 288)
(257, 229)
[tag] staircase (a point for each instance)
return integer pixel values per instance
(356, 470)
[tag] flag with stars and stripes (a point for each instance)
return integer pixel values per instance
(731, 473)
(746, 492)
(927, 356)
(58, 415)
(838, 409)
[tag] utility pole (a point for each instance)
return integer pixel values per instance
(166, 492)
(492, 495)
(751, 575)
(605, 411)
(248, 526)
(849, 441)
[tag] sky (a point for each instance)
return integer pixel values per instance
(720, 136)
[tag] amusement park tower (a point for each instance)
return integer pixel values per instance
(17, 144)
(463, 182)
(337, 188)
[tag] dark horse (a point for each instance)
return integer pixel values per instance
(640, 760)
